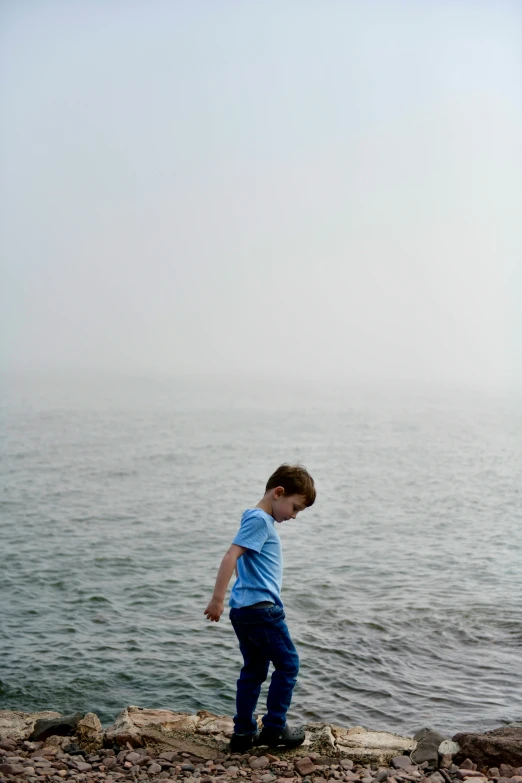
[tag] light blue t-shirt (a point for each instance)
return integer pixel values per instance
(260, 569)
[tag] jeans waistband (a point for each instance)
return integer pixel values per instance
(260, 605)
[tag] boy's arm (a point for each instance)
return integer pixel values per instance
(217, 603)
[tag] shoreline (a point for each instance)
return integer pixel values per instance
(143, 745)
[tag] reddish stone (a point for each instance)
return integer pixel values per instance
(304, 766)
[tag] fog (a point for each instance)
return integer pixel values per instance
(290, 190)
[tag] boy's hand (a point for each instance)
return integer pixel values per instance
(214, 610)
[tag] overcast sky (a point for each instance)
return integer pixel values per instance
(328, 188)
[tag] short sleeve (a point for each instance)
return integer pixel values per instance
(253, 533)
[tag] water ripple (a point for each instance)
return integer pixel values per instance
(401, 585)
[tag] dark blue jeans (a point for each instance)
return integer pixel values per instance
(263, 638)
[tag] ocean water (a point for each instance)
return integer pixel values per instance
(402, 584)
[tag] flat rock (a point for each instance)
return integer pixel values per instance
(165, 730)
(492, 748)
(19, 725)
(304, 766)
(369, 747)
(401, 762)
(207, 736)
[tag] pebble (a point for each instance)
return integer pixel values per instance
(401, 762)
(31, 762)
(259, 762)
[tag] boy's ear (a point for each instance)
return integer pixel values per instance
(279, 492)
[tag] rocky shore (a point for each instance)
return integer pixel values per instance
(148, 745)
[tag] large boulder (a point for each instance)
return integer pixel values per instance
(19, 725)
(492, 748)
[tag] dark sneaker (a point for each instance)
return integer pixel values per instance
(239, 743)
(290, 738)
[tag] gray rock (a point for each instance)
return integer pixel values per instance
(428, 742)
(64, 726)
(259, 763)
(401, 762)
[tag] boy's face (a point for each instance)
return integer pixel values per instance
(286, 507)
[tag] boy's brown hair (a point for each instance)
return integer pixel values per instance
(295, 480)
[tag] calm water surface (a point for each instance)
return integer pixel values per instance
(402, 585)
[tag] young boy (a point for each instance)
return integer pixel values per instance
(257, 613)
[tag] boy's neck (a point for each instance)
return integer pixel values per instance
(265, 505)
